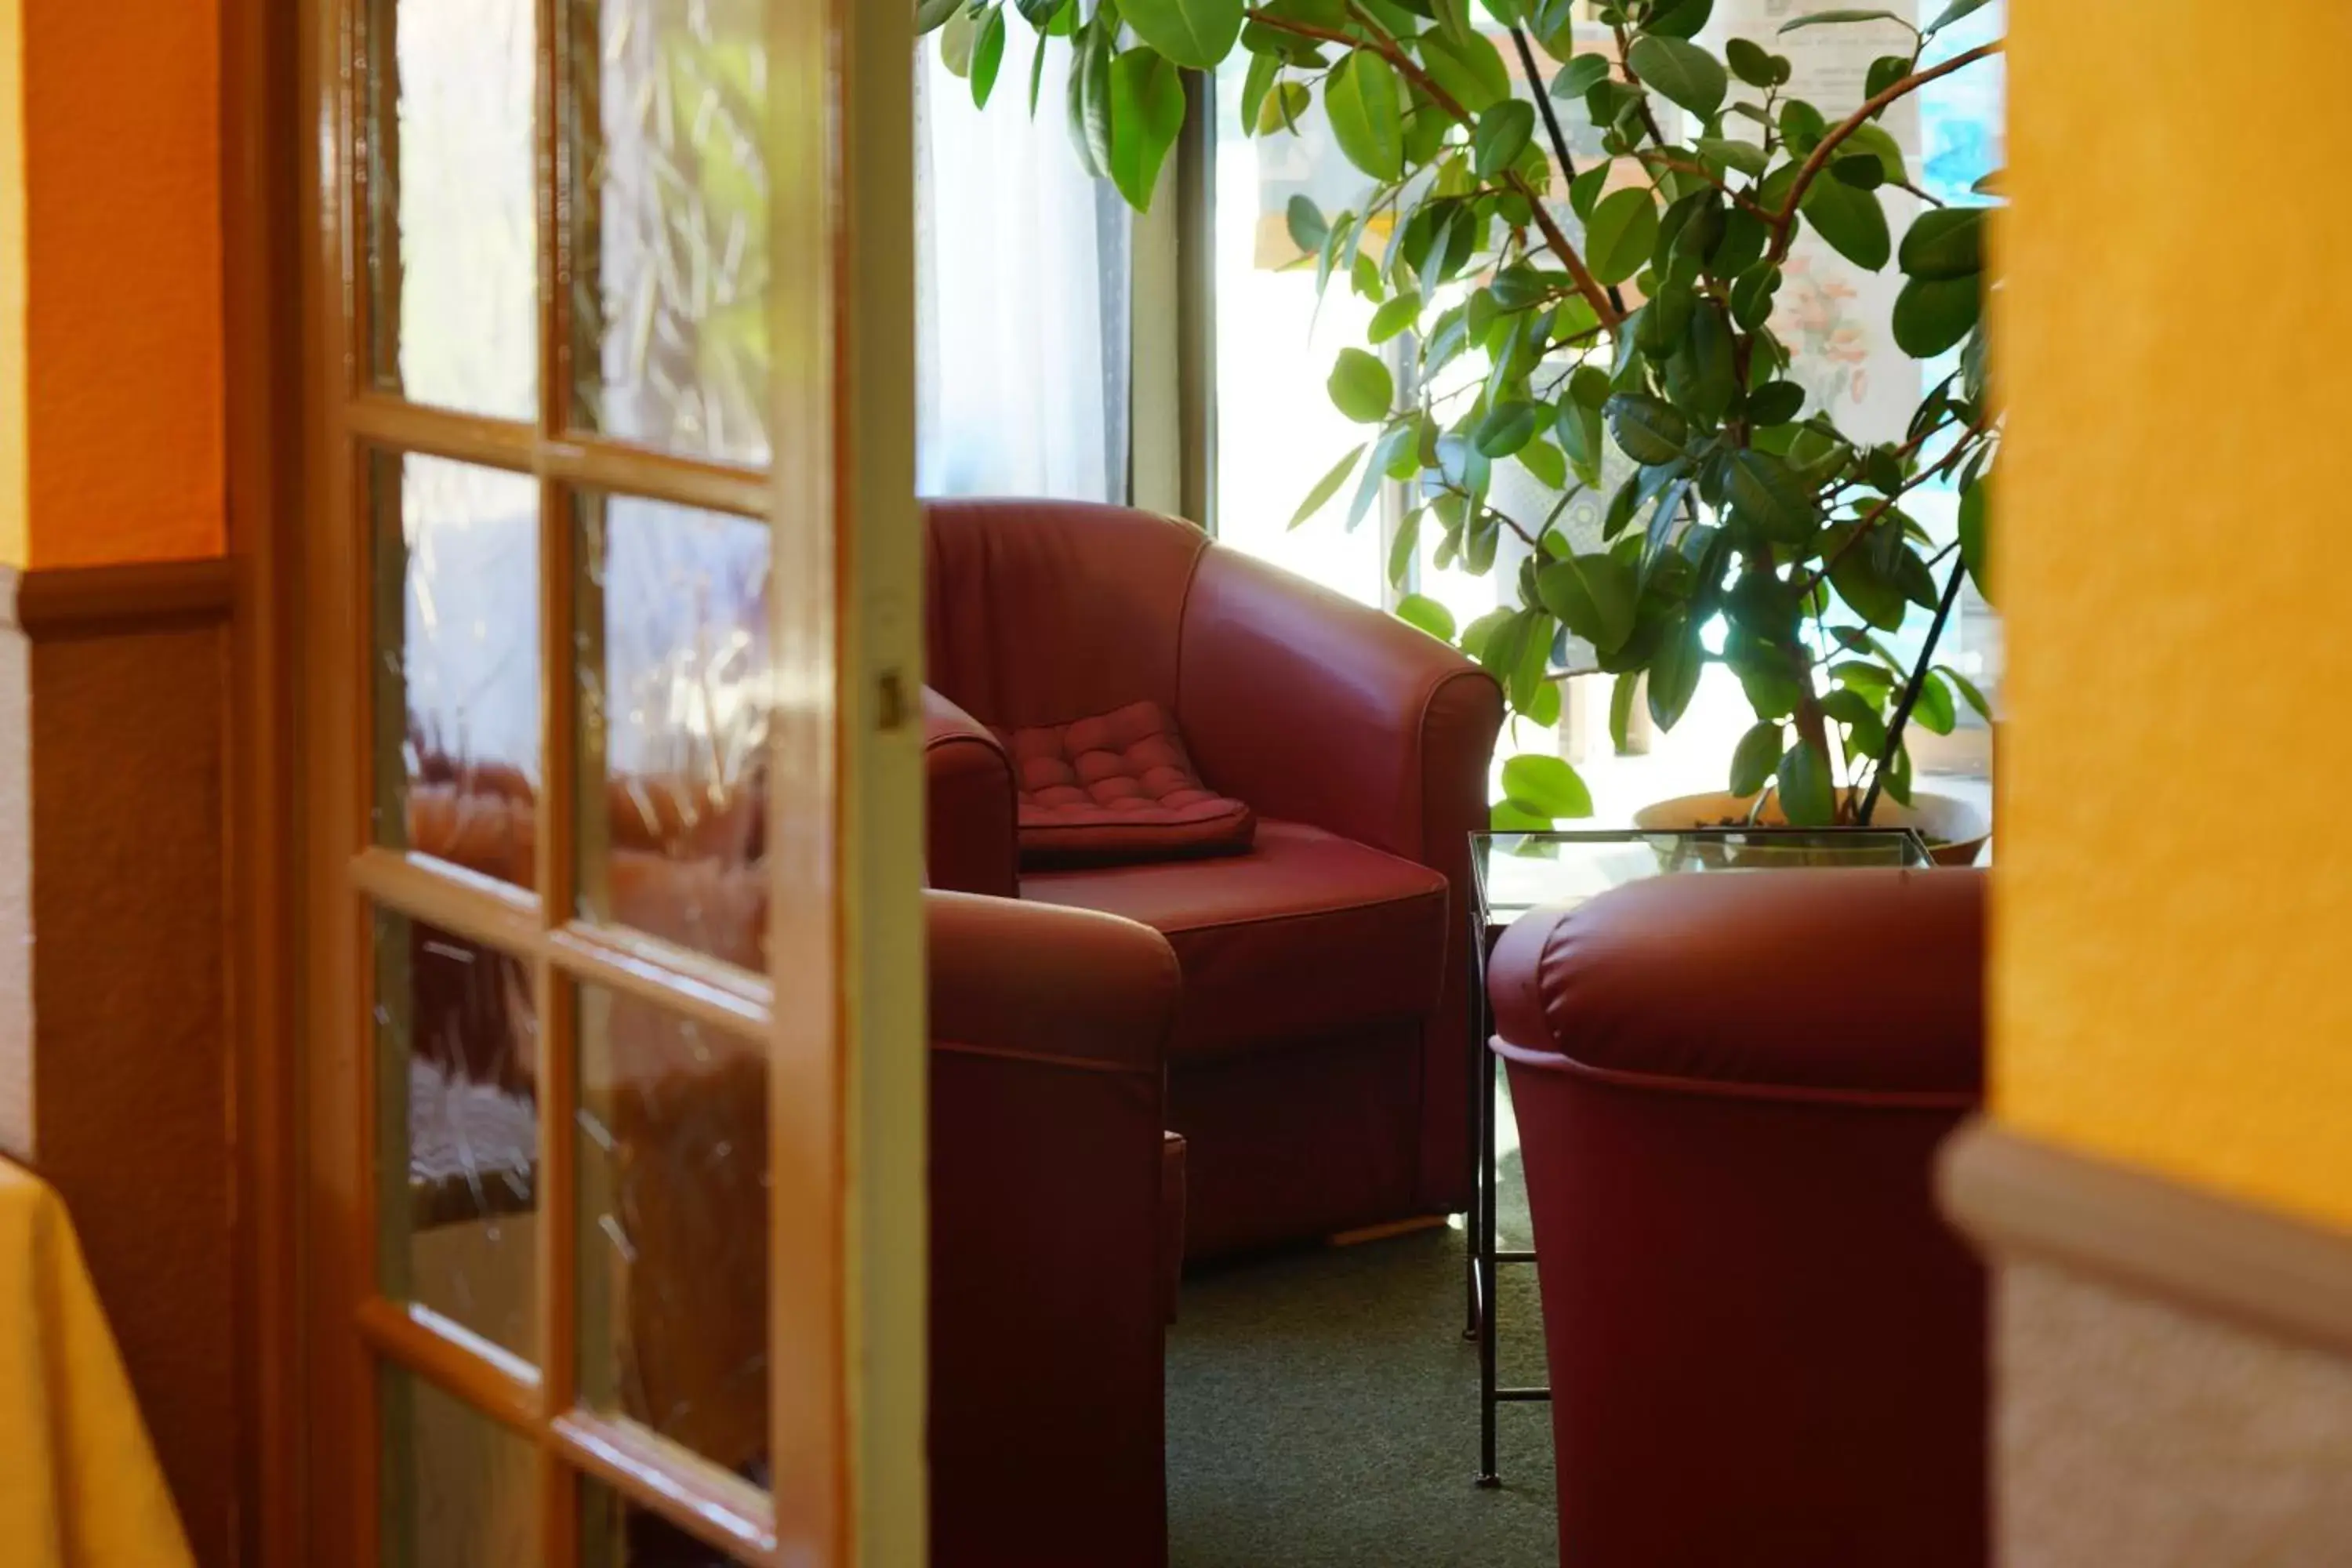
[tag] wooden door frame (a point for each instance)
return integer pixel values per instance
(264, 448)
(868, 1508)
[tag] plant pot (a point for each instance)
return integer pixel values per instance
(1955, 830)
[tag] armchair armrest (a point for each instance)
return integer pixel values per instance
(1314, 708)
(971, 808)
(1048, 1215)
(1050, 985)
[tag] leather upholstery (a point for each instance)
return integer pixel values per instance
(1766, 1347)
(1309, 934)
(1339, 940)
(969, 813)
(1049, 1251)
(1117, 789)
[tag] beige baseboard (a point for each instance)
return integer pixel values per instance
(2173, 1370)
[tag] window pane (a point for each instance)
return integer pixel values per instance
(458, 1049)
(617, 1534)
(673, 1251)
(674, 719)
(671, 256)
(458, 1487)
(457, 662)
(455, 255)
(1278, 432)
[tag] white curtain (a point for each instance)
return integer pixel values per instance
(1022, 308)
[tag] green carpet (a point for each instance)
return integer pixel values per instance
(1323, 1410)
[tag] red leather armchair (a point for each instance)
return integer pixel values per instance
(1318, 1069)
(1765, 1346)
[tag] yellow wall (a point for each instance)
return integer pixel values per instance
(2173, 968)
(111, 352)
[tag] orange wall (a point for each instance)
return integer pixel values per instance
(113, 357)
(2173, 938)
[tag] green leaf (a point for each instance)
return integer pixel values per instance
(1946, 242)
(1584, 191)
(1753, 759)
(1869, 593)
(1283, 106)
(1682, 71)
(1865, 730)
(1862, 170)
(1769, 496)
(1147, 113)
(1366, 108)
(1509, 816)
(1468, 67)
(1852, 221)
(987, 56)
(1751, 62)
(1953, 13)
(1198, 34)
(1968, 691)
(1546, 784)
(1395, 318)
(1808, 795)
(1679, 19)
(1308, 227)
(1844, 14)
(1673, 674)
(1729, 154)
(1502, 135)
(1327, 487)
(1775, 403)
(1420, 610)
(1933, 712)
(1751, 296)
(1479, 633)
(1090, 100)
(1506, 428)
(1932, 316)
(1580, 76)
(1623, 232)
(1975, 548)
(1877, 139)
(932, 15)
(1361, 387)
(1647, 428)
(1621, 711)
(1596, 597)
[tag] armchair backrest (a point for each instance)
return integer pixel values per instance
(1041, 611)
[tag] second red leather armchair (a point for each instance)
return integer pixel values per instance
(1319, 1064)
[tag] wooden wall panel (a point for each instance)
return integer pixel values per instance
(130, 1089)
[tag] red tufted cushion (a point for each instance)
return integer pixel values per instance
(1117, 789)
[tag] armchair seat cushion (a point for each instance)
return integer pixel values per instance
(1116, 788)
(1306, 936)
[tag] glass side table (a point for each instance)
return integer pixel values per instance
(1513, 873)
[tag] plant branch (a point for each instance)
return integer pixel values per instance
(1784, 224)
(1911, 690)
(1552, 128)
(1625, 64)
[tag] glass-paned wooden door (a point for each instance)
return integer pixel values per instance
(614, 1100)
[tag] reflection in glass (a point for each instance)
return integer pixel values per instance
(454, 261)
(667, 114)
(673, 1256)
(457, 1488)
(673, 718)
(456, 664)
(617, 1534)
(457, 1047)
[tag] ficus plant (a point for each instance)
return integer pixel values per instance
(1607, 327)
